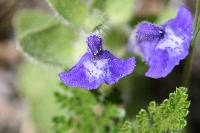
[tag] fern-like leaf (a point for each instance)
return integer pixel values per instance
(126, 127)
(169, 116)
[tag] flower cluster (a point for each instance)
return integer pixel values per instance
(161, 47)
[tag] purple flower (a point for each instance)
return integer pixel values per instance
(162, 47)
(97, 66)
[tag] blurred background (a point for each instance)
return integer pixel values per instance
(27, 103)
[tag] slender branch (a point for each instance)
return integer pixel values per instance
(197, 14)
(188, 64)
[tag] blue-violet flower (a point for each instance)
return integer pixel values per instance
(163, 46)
(97, 66)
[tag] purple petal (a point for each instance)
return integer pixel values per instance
(162, 53)
(156, 64)
(173, 47)
(94, 43)
(149, 32)
(182, 24)
(161, 64)
(79, 76)
(90, 72)
(168, 53)
(147, 37)
(118, 68)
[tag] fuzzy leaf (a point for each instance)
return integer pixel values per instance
(119, 11)
(32, 81)
(94, 18)
(168, 117)
(46, 40)
(78, 13)
(74, 11)
(166, 16)
(115, 40)
(32, 21)
(99, 4)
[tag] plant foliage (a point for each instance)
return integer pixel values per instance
(169, 116)
(81, 110)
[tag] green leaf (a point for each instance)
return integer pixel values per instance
(37, 85)
(168, 117)
(115, 40)
(119, 11)
(166, 15)
(99, 4)
(142, 122)
(126, 127)
(74, 11)
(77, 116)
(46, 40)
(32, 21)
(78, 13)
(94, 18)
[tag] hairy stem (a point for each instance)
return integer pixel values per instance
(188, 63)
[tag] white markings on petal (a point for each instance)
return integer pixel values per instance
(96, 69)
(172, 42)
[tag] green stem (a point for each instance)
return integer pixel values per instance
(188, 64)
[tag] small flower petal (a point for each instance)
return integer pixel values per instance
(147, 36)
(149, 32)
(118, 68)
(79, 76)
(94, 43)
(160, 65)
(182, 24)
